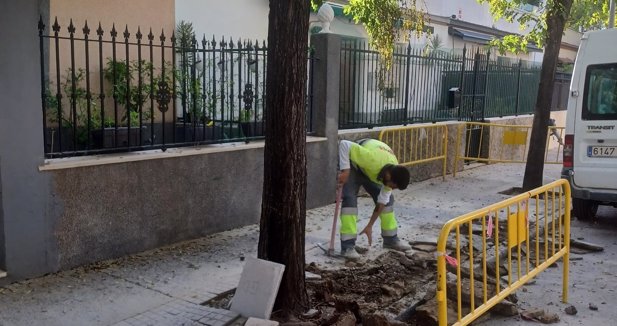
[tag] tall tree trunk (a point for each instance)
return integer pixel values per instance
(556, 20)
(283, 212)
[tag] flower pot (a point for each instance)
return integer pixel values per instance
(118, 138)
(66, 136)
(252, 129)
(186, 133)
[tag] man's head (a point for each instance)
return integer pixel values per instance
(396, 177)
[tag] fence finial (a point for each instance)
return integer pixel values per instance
(99, 31)
(126, 32)
(162, 37)
(71, 28)
(56, 27)
(150, 35)
(41, 25)
(113, 32)
(86, 29)
(138, 35)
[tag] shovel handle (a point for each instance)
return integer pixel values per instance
(337, 208)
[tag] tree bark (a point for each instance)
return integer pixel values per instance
(283, 212)
(556, 20)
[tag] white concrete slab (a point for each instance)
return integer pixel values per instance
(258, 287)
(252, 321)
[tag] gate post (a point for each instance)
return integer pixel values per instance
(462, 83)
(326, 66)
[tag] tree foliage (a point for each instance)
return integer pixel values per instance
(386, 22)
(544, 27)
(532, 24)
(589, 14)
(584, 15)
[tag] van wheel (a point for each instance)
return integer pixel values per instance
(584, 209)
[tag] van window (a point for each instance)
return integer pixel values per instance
(600, 92)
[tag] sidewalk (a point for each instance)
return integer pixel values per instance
(166, 286)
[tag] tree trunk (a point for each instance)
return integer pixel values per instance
(283, 212)
(556, 21)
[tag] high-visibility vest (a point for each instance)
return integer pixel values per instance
(371, 156)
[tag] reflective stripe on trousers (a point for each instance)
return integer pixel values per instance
(388, 222)
(349, 227)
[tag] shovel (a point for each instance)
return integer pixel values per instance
(330, 250)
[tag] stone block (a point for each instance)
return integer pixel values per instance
(258, 287)
(252, 321)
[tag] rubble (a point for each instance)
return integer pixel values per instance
(585, 245)
(571, 310)
(540, 315)
(425, 247)
(380, 320)
(396, 288)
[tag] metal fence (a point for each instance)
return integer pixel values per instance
(429, 85)
(501, 143)
(486, 255)
(420, 144)
(113, 91)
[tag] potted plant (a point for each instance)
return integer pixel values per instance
(80, 114)
(196, 103)
(251, 124)
(131, 96)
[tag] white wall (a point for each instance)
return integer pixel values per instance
(245, 19)
(469, 11)
(572, 37)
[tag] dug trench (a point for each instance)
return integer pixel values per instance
(399, 289)
(393, 289)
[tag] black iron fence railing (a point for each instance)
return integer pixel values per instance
(114, 91)
(431, 84)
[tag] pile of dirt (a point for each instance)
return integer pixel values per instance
(383, 291)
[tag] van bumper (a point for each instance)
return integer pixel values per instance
(609, 196)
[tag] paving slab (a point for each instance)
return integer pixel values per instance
(75, 298)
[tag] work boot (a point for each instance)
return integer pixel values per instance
(350, 253)
(348, 249)
(395, 243)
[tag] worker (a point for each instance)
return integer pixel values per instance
(371, 164)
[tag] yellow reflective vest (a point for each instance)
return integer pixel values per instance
(371, 156)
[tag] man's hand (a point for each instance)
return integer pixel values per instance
(368, 230)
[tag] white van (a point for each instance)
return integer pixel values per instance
(590, 148)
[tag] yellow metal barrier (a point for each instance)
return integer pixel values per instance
(497, 143)
(418, 144)
(537, 227)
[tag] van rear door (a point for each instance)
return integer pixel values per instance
(595, 140)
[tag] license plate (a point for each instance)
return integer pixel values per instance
(602, 151)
